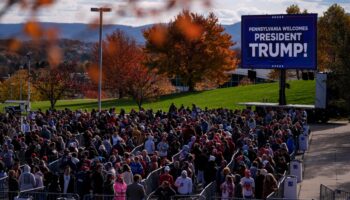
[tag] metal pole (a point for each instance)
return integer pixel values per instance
(11, 91)
(20, 83)
(100, 10)
(282, 91)
(100, 70)
(28, 56)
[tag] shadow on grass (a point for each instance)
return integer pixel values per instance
(178, 95)
(94, 105)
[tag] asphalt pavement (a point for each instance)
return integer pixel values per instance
(327, 160)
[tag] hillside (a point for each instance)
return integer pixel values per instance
(85, 33)
(300, 92)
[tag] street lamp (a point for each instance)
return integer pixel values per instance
(20, 82)
(101, 10)
(12, 84)
(28, 58)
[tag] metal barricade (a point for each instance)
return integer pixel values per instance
(231, 164)
(41, 194)
(152, 181)
(188, 197)
(342, 195)
(327, 193)
(100, 197)
(209, 191)
(55, 165)
(137, 149)
(4, 187)
(176, 157)
(279, 193)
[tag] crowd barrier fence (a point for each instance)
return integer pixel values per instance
(327, 193)
(151, 183)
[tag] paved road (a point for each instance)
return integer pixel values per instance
(327, 161)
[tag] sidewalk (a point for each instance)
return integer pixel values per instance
(327, 161)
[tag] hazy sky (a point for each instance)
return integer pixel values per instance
(228, 11)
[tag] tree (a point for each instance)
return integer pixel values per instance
(147, 84)
(54, 81)
(192, 47)
(333, 35)
(10, 89)
(119, 53)
(334, 49)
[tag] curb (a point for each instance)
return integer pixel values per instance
(302, 159)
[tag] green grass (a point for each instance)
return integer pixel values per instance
(300, 92)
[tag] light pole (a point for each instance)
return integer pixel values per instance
(12, 84)
(101, 10)
(20, 82)
(28, 57)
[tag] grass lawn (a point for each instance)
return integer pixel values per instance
(300, 92)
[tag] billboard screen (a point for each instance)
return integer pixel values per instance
(279, 41)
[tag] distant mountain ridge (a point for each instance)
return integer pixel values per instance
(85, 33)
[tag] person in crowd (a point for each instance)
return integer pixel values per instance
(248, 185)
(228, 188)
(259, 183)
(26, 179)
(210, 170)
(39, 176)
(163, 147)
(238, 187)
(108, 185)
(13, 184)
(166, 176)
(136, 166)
(127, 174)
(135, 191)
(164, 191)
(97, 179)
(2, 169)
(150, 145)
(67, 181)
(269, 186)
(120, 188)
(184, 184)
(54, 184)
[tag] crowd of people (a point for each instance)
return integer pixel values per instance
(93, 150)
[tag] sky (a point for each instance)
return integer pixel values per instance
(228, 11)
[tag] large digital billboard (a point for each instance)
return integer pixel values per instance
(279, 41)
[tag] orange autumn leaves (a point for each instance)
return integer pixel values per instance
(124, 72)
(192, 47)
(38, 34)
(189, 28)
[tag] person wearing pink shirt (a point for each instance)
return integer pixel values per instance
(119, 188)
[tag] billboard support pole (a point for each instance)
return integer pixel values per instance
(282, 91)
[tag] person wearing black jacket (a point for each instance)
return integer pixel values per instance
(67, 181)
(164, 191)
(13, 184)
(97, 180)
(210, 171)
(108, 185)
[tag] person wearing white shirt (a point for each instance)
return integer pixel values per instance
(38, 177)
(149, 145)
(184, 184)
(67, 181)
(248, 185)
(25, 127)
